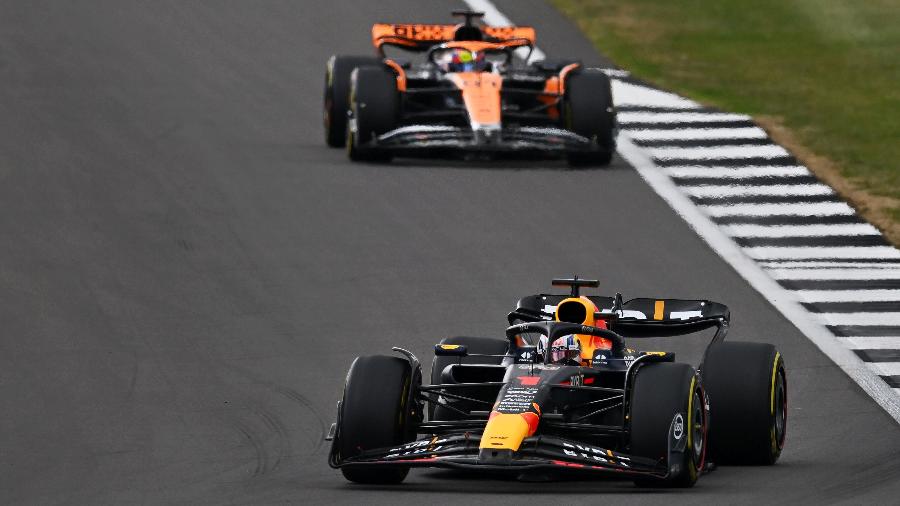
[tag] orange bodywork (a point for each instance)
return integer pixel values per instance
(481, 95)
(551, 92)
(589, 344)
(401, 74)
(505, 431)
(554, 88)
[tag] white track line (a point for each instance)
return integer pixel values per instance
(632, 94)
(616, 73)
(693, 171)
(774, 264)
(806, 252)
(798, 209)
(885, 368)
(692, 134)
(871, 343)
(781, 299)
(678, 117)
(861, 319)
(822, 274)
(719, 152)
(839, 229)
(725, 191)
(848, 295)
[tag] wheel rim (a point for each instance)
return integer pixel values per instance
(780, 409)
(698, 429)
(329, 100)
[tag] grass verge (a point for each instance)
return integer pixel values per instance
(821, 76)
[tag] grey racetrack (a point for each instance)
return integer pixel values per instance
(186, 271)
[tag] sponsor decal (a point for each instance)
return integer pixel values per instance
(517, 399)
(678, 426)
(685, 315)
(529, 380)
(593, 453)
(626, 313)
(416, 448)
(420, 32)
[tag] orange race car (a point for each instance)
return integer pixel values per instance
(469, 94)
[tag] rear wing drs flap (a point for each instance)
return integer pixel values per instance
(641, 317)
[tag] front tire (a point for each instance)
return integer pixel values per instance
(664, 393)
(375, 107)
(377, 411)
(336, 104)
(588, 111)
(747, 387)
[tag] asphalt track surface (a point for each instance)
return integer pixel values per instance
(186, 271)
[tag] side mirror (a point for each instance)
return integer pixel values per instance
(451, 350)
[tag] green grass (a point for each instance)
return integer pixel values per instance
(829, 70)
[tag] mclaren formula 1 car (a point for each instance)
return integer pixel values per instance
(470, 95)
(563, 392)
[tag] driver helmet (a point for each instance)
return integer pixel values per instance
(463, 60)
(566, 350)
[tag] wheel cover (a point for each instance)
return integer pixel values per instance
(780, 409)
(698, 429)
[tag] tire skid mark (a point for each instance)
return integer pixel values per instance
(260, 448)
(318, 438)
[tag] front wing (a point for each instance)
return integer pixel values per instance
(421, 140)
(536, 453)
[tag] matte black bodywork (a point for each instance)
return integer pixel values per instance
(583, 411)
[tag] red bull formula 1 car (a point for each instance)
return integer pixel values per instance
(469, 95)
(564, 393)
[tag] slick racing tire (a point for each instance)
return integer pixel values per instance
(337, 93)
(374, 106)
(588, 111)
(668, 398)
(747, 389)
(479, 345)
(377, 411)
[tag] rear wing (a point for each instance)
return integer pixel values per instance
(643, 317)
(420, 37)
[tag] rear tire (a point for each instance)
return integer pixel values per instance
(588, 111)
(662, 391)
(479, 345)
(375, 413)
(375, 107)
(336, 104)
(747, 388)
